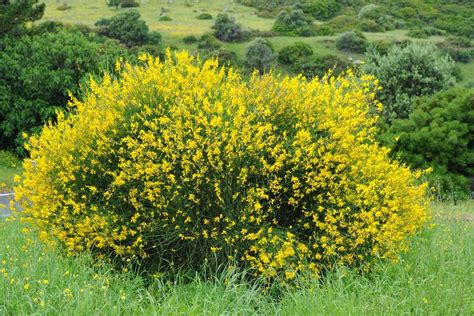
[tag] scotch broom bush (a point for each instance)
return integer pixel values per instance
(178, 161)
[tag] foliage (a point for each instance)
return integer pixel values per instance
(37, 74)
(224, 56)
(185, 161)
(351, 41)
(460, 49)
(260, 55)
(165, 18)
(408, 72)
(227, 30)
(208, 42)
(127, 27)
(317, 67)
(293, 23)
(439, 134)
(322, 9)
(14, 14)
(295, 52)
(129, 4)
(370, 11)
(190, 39)
(204, 16)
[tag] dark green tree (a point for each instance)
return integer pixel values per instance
(260, 55)
(439, 133)
(227, 30)
(37, 73)
(14, 14)
(126, 27)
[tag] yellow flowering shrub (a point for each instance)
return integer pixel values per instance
(178, 161)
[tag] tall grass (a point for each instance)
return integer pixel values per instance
(434, 278)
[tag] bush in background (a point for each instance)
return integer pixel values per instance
(293, 23)
(318, 66)
(274, 174)
(293, 53)
(260, 55)
(204, 16)
(322, 9)
(227, 30)
(439, 134)
(38, 72)
(408, 72)
(352, 41)
(126, 27)
(14, 15)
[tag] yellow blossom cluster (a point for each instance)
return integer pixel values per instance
(177, 161)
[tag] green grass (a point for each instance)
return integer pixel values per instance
(434, 278)
(184, 21)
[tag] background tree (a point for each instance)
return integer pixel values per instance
(126, 27)
(37, 74)
(439, 133)
(227, 30)
(260, 55)
(14, 14)
(408, 72)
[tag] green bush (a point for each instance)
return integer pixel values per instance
(371, 12)
(37, 74)
(14, 15)
(459, 48)
(225, 57)
(204, 16)
(317, 67)
(260, 55)
(322, 9)
(352, 41)
(290, 54)
(439, 134)
(129, 4)
(208, 42)
(190, 39)
(165, 18)
(293, 23)
(408, 72)
(227, 30)
(126, 27)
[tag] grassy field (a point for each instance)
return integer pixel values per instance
(184, 22)
(434, 278)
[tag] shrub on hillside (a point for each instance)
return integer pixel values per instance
(293, 23)
(204, 16)
(276, 174)
(37, 73)
(208, 42)
(352, 41)
(290, 54)
(439, 134)
(224, 56)
(460, 49)
(227, 30)
(190, 39)
(126, 27)
(408, 72)
(129, 4)
(260, 55)
(320, 65)
(323, 9)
